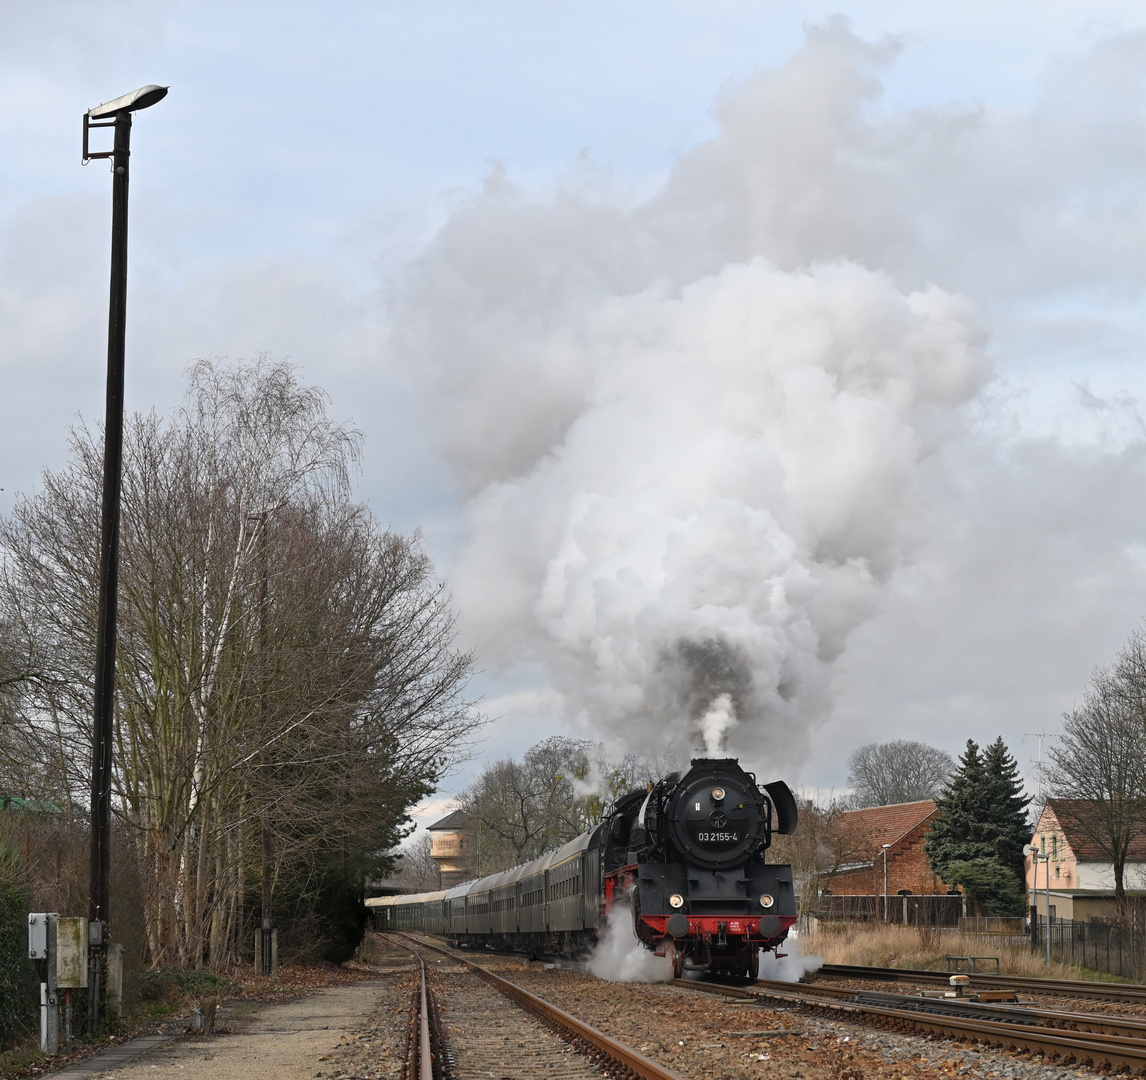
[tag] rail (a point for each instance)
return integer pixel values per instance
(599, 1045)
(425, 1050)
(1101, 1041)
(1073, 987)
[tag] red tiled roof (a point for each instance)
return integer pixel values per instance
(879, 825)
(1069, 812)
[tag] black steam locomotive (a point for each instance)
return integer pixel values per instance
(687, 855)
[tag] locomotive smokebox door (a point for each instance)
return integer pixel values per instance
(717, 817)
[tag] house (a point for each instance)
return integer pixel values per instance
(449, 847)
(891, 835)
(1081, 877)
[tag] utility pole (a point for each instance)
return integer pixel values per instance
(115, 114)
(885, 847)
(265, 951)
(264, 754)
(1039, 856)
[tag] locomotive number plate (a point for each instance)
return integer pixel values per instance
(717, 837)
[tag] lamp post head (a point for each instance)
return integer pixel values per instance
(117, 114)
(142, 98)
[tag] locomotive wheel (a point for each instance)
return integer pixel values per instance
(677, 961)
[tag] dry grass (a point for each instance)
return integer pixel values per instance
(927, 948)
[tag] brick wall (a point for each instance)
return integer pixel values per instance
(907, 868)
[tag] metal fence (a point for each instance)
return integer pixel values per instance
(905, 910)
(993, 925)
(1115, 947)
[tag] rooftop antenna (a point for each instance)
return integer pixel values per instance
(1037, 766)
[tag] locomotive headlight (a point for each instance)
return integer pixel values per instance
(676, 900)
(717, 794)
(767, 900)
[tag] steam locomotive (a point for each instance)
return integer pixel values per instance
(686, 856)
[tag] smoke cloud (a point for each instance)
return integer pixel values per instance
(690, 433)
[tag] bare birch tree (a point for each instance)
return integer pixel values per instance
(281, 659)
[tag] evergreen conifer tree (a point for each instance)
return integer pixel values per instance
(954, 836)
(982, 813)
(1007, 821)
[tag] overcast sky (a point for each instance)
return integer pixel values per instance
(809, 330)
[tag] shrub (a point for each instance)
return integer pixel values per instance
(987, 883)
(17, 1002)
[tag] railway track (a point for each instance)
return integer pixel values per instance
(1102, 1041)
(1130, 992)
(472, 1022)
(1069, 1038)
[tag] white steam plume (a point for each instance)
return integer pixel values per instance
(716, 723)
(692, 448)
(619, 957)
(792, 965)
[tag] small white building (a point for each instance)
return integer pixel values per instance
(1081, 877)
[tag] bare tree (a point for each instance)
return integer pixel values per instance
(283, 662)
(519, 810)
(416, 870)
(823, 845)
(1097, 771)
(561, 788)
(882, 774)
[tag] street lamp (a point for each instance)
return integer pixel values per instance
(885, 847)
(1034, 853)
(115, 114)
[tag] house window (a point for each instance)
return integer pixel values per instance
(1054, 849)
(1043, 845)
(1058, 871)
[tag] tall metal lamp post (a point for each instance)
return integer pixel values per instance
(1037, 855)
(114, 114)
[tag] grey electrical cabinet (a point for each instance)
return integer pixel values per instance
(38, 934)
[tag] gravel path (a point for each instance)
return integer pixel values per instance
(340, 1032)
